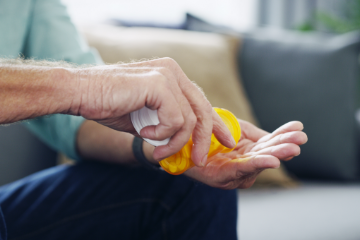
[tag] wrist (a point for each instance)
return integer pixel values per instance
(148, 150)
(68, 89)
(139, 155)
(88, 100)
(79, 82)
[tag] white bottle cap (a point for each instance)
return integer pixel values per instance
(147, 117)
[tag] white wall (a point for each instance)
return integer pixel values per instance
(239, 14)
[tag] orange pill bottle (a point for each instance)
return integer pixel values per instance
(181, 161)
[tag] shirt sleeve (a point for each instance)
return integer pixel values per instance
(52, 36)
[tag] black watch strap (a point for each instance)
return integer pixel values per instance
(137, 148)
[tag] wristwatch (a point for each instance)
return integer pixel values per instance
(137, 148)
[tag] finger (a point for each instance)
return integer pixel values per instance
(296, 137)
(282, 151)
(227, 173)
(174, 146)
(250, 131)
(288, 127)
(221, 132)
(171, 121)
(244, 145)
(245, 174)
(255, 163)
(241, 168)
(161, 97)
(202, 136)
(203, 111)
(180, 138)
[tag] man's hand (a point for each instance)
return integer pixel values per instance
(107, 94)
(110, 93)
(256, 150)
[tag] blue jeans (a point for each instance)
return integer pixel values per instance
(100, 201)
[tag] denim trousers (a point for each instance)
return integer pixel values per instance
(101, 201)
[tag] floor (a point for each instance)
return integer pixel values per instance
(313, 211)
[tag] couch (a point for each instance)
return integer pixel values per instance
(266, 78)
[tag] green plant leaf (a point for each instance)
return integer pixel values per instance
(336, 24)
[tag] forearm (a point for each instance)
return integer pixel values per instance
(29, 91)
(100, 143)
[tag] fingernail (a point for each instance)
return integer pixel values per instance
(203, 161)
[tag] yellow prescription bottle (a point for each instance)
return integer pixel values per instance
(181, 161)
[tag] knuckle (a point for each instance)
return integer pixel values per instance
(245, 185)
(192, 120)
(178, 122)
(169, 60)
(239, 174)
(157, 75)
(158, 80)
(162, 70)
(172, 64)
(162, 77)
(173, 147)
(228, 186)
(166, 73)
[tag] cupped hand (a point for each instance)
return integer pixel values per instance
(111, 92)
(256, 151)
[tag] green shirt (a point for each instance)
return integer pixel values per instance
(42, 29)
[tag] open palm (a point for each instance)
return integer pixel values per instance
(256, 150)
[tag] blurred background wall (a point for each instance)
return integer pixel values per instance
(241, 15)
(238, 14)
